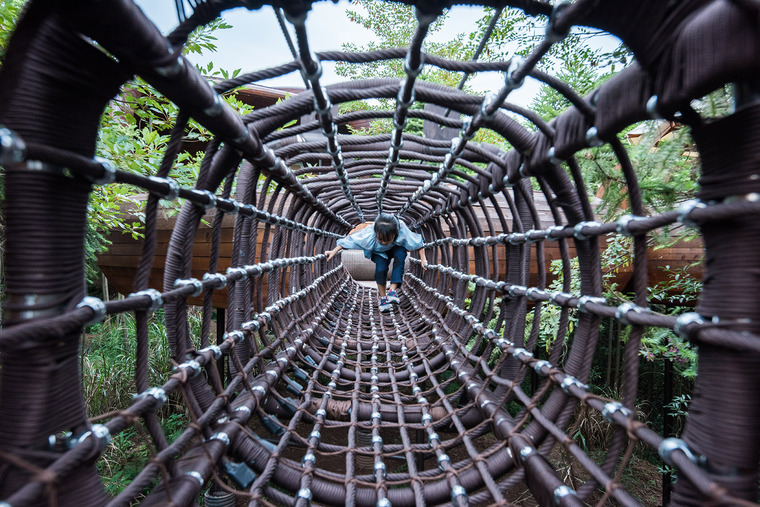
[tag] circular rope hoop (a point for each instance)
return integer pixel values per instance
(448, 398)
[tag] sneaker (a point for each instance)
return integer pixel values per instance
(384, 305)
(392, 297)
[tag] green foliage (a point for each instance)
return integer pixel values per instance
(130, 450)
(108, 365)
(664, 159)
(576, 63)
(108, 361)
(203, 39)
(550, 314)
(134, 134)
(394, 25)
(9, 13)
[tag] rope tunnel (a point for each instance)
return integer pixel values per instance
(448, 398)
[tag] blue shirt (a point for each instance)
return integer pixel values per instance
(366, 240)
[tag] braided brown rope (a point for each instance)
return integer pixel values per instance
(329, 401)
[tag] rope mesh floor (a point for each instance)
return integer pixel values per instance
(330, 401)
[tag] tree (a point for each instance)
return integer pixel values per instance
(393, 25)
(133, 135)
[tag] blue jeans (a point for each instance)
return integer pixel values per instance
(398, 254)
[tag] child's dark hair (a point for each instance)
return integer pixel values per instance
(386, 227)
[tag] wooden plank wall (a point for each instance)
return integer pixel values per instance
(120, 262)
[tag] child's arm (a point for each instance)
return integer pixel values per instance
(355, 240)
(423, 258)
(332, 253)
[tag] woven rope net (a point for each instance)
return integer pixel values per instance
(328, 401)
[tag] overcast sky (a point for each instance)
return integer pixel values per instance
(256, 42)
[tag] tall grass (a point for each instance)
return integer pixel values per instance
(108, 362)
(108, 366)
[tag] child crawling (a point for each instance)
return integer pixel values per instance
(388, 238)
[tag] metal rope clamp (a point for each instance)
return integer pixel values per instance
(592, 138)
(308, 459)
(519, 352)
(568, 381)
(578, 229)
(99, 431)
(552, 158)
(12, 147)
(239, 271)
(173, 68)
(622, 311)
(208, 195)
(156, 393)
(487, 103)
(534, 293)
(109, 172)
(685, 209)
(525, 452)
(443, 458)
(686, 320)
(624, 222)
(237, 336)
(180, 283)
(408, 68)
(652, 105)
(509, 77)
(193, 366)
(197, 476)
(217, 105)
(312, 76)
(584, 300)
(305, 493)
(539, 366)
(534, 235)
(156, 300)
(563, 491)
(233, 203)
(667, 446)
(554, 228)
(222, 437)
(406, 104)
(253, 270)
(400, 125)
(218, 278)
(458, 492)
(612, 407)
(172, 192)
(216, 352)
(554, 295)
(324, 109)
(97, 306)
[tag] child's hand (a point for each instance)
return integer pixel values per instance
(331, 253)
(424, 264)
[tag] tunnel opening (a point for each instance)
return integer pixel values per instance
(311, 395)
